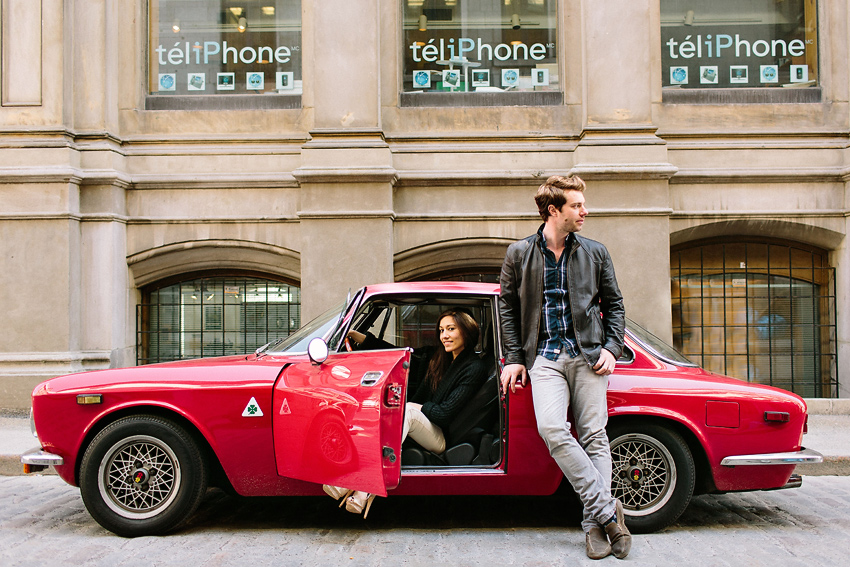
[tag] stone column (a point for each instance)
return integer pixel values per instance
(621, 158)
(346, 174)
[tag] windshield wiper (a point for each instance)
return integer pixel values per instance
(259, 352)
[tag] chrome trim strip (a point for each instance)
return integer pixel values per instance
(789, 458)
(39, 457)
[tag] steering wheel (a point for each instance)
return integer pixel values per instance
(348, 346)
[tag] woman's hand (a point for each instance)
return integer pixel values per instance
(357, 337)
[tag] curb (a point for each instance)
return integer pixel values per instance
(831, 466)
(10, 465)
(823, 406)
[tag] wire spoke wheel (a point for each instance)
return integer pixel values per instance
(653, 474)
(138, 476)
(142, 475)
(644, 474)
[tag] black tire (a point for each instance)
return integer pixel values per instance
(142, 475)
(653, 475)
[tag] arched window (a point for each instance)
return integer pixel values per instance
(213, 315)
(763, 312)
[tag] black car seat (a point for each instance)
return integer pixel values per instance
(470, 436)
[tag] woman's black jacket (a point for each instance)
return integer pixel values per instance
(464, 377)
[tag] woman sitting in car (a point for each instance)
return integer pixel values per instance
(453, 375)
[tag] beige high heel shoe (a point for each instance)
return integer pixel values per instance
(356, 506)
(337, 493)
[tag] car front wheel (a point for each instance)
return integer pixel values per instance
(142, 475)
(653, 475)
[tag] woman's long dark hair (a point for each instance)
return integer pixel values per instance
(441, 360)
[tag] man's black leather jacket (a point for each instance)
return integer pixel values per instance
(595, 299)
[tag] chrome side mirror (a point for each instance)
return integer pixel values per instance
(317, 350)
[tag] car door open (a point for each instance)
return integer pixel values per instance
(340, 422)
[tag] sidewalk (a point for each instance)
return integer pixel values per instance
(829, 434)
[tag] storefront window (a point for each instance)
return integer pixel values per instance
(709, 44)
(480, 46)
(224, 47)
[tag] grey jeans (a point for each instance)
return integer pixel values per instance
(567, 383)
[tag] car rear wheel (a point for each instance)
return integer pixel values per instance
(653, 475)
(142, 475)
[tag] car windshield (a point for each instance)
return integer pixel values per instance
(655, 345)
(321, 326)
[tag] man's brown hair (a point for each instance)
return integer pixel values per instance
(552, 192)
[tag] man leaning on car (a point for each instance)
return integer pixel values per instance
(562, 311)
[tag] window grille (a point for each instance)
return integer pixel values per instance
(761, 312)
(214, 316)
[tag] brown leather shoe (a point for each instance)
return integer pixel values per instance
(619, 535)
(596, 543)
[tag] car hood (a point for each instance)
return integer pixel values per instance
(207, 372)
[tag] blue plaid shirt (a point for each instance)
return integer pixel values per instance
(556, 326)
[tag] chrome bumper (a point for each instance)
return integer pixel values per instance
(41, 458)
(790, 458)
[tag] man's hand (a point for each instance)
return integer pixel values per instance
(606, 363)
(510, 374)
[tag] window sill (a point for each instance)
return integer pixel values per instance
(764, 95)
(223, 102)
(540, 98)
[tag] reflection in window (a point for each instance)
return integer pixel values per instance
(731, 44)
(214, 316)
(764, 313)
(206, 47)
(480, 45)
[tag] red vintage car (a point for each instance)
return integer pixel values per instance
(145, 443)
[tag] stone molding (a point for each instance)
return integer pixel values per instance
(155, 264)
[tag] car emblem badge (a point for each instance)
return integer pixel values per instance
(284, 408)
(252, 409)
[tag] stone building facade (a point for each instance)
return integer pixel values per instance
(724, 206)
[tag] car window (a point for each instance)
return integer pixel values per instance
(655, 345)
(412, 322)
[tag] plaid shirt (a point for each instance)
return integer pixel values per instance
(556, 325)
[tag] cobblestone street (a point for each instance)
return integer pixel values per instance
(42, 521)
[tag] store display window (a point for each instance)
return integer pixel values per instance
(708, 44)
(480, 46)
(224, 47)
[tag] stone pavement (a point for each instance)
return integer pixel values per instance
(43, 520)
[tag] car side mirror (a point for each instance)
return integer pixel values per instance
(317, 350)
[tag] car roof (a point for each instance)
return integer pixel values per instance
(434, 287)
